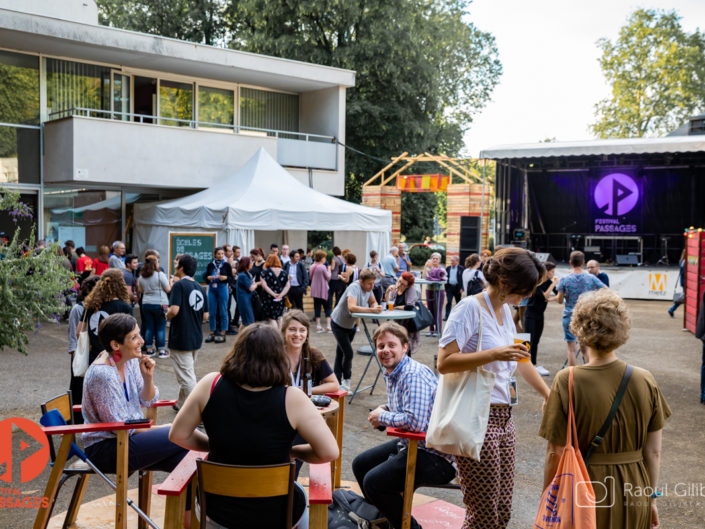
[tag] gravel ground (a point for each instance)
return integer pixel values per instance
(657, 343)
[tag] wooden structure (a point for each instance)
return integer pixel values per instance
(694, 284)
(469, 196)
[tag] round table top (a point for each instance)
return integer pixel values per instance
(386, 315)
(420, 281)
(330, 409)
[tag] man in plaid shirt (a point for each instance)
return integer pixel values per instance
(411, 388)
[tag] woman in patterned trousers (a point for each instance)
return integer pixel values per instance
(487, 484)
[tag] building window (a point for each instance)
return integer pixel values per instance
(176, 102)
(19, 155)
(216, 106)
(19, 85)
(262, 109)
(72, 85)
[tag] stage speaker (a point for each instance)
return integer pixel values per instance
(469, 236)
(627, 260)
(545, 257)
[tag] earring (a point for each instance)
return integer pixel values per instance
(117, 355)
(501, 296)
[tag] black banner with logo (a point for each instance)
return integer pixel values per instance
(616, 200)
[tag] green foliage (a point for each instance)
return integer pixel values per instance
(194, 20)
(420, 254)
(657, 74)
(417, 213)
(32, 283)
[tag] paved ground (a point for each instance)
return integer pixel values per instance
(657, 343)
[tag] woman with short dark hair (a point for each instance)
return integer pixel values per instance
(251, 415)
(218, 274)
(487, 484)
(117, 386)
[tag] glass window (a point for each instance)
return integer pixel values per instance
(19, 155)
(175, 101)
(19, 86)
(121, 96)
(90, 218)
(215, 105)
(72, 85)
(262, 109)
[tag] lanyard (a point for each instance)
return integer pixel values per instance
(124, 384)
(296, 381)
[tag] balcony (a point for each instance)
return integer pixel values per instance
(86, 146)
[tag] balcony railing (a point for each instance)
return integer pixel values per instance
(188, 123)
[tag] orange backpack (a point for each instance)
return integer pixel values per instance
(569, 501)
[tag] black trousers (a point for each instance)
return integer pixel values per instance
(533, 324)
(296, 297)
(453, 292)
(344, 351)
(381, 472)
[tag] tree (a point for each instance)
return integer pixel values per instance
(194, 20)
(32, 282)
(423, 70)
(657, 74)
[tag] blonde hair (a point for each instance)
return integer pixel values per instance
(601, 320)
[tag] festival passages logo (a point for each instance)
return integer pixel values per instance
(27, 464)
(615, 195)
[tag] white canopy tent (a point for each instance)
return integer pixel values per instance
(260, 196)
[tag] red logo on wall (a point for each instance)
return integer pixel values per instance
(33, 450)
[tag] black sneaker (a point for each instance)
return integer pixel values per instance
(211, 338)
(232, 331)
(149, 352)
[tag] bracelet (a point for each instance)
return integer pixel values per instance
(656, 494)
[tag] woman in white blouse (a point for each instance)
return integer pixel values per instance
(512, 274)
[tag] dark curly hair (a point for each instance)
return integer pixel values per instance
(518, 269)
(111, 285)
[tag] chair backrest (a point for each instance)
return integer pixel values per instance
(64, 405)
(237, 481)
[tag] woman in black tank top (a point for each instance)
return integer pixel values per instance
(251, 418)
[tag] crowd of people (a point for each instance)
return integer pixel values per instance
(256, 408)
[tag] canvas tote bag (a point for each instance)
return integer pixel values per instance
(569, 501)
(79, 364)
(461, 410)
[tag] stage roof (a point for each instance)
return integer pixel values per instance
(671, 144)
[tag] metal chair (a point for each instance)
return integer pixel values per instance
(238, 481)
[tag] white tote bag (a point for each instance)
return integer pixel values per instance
(461, 410)
(79, 364)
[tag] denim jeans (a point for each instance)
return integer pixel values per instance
(381, 472)
(218, 304)
(344, 351)
(154, 325)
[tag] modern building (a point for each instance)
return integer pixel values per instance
(94, 119)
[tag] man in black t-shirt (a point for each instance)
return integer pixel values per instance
(188, 306)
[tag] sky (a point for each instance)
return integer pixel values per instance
(551, 76)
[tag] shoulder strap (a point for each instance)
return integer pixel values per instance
(597, 441)
(479, 327)
(215, 381)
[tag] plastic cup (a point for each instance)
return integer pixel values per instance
(524, 338)
(390, 305)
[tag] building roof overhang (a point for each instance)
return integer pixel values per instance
(102, 44)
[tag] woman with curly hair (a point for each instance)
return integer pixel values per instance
(626, 463)
(110, 296)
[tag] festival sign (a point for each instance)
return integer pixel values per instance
(616, 202)
(423, 183)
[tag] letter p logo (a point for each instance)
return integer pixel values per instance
(27, 462)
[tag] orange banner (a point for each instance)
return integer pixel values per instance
(427, 183)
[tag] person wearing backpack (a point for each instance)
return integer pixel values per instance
(624, 468)
(411, 390)
(473, 280)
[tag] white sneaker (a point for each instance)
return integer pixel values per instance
(345, 384)
(543, 371)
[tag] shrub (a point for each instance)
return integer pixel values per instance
(420, 254)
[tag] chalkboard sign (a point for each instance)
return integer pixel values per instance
(199, 245)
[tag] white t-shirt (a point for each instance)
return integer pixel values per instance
(463, 326)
